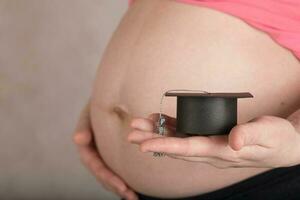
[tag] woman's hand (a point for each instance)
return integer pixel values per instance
(266, 141)
(83, 138)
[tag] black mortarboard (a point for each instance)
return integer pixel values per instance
(206, 113)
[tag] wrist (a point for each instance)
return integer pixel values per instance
(294, 119)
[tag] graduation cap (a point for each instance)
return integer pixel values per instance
(204, 113)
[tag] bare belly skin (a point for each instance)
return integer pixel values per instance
(161, 45)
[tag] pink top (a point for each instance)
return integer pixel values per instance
(280, 19)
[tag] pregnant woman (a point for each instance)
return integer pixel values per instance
(217, 46)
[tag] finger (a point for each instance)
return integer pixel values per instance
(149, 124)
(198, 146)
(83, 134)
(137, 136)
(127, 194)
(143, 124)
(258, 131)
(108, 178)
(244, 134)
(82, 138)
(97, 167)
(111, 187)
(91, 158)
(169, 120)
(189, 146)
(130, 195)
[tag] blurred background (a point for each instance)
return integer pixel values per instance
(49, 52)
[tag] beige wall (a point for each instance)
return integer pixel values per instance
(49, 51)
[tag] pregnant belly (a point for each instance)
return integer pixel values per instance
(161, 45)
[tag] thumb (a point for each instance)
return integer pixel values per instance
(245, 134)
(258, 131)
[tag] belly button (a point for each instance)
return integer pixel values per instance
(121, 111)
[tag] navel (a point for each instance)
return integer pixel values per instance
(121, 111)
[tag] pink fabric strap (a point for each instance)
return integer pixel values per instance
(280, 19)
